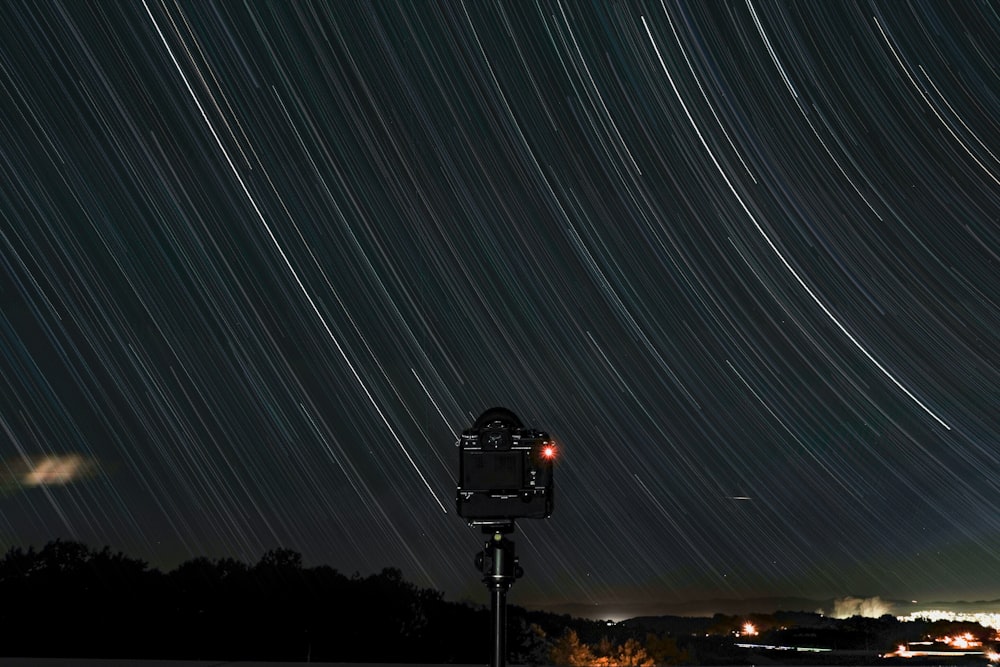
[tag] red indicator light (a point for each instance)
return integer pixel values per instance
(549, 451)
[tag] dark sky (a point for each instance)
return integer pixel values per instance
(262, 262)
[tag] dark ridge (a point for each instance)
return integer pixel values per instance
(69, 601)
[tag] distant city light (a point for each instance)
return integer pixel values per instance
(986, 619)
(777, 647)
(962, 641)
(948, 646)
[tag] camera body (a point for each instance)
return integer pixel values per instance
(504, 471)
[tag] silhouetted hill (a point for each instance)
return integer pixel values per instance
(764, 605)
(727, 623)
(66, 600)
(695, 608)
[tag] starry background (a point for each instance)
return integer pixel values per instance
(262, 262)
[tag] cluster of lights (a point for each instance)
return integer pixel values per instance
(986, 619)
(960, 643)
(748, 629)
(964, 644)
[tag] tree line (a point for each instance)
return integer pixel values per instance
(68, 600)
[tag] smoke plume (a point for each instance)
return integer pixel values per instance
(873, 607)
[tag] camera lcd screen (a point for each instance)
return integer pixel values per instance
(494, 470)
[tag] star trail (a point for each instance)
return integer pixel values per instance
(261, 263)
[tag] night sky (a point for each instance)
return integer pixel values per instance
(261, 263)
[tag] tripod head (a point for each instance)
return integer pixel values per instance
(498, 562)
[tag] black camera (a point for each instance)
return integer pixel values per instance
(504, 470)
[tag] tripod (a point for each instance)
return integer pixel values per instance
(500, 568)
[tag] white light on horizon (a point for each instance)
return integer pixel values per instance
(986, 619)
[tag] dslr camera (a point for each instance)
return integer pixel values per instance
(504, 470)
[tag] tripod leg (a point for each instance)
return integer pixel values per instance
(498, 598)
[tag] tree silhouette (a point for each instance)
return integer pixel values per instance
(571, 652)
(632, 654)
(16, 565)
(664, 650)
(528, 643)
(283, 560)
(66, 600)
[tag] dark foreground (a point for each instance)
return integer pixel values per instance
(97, 662)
